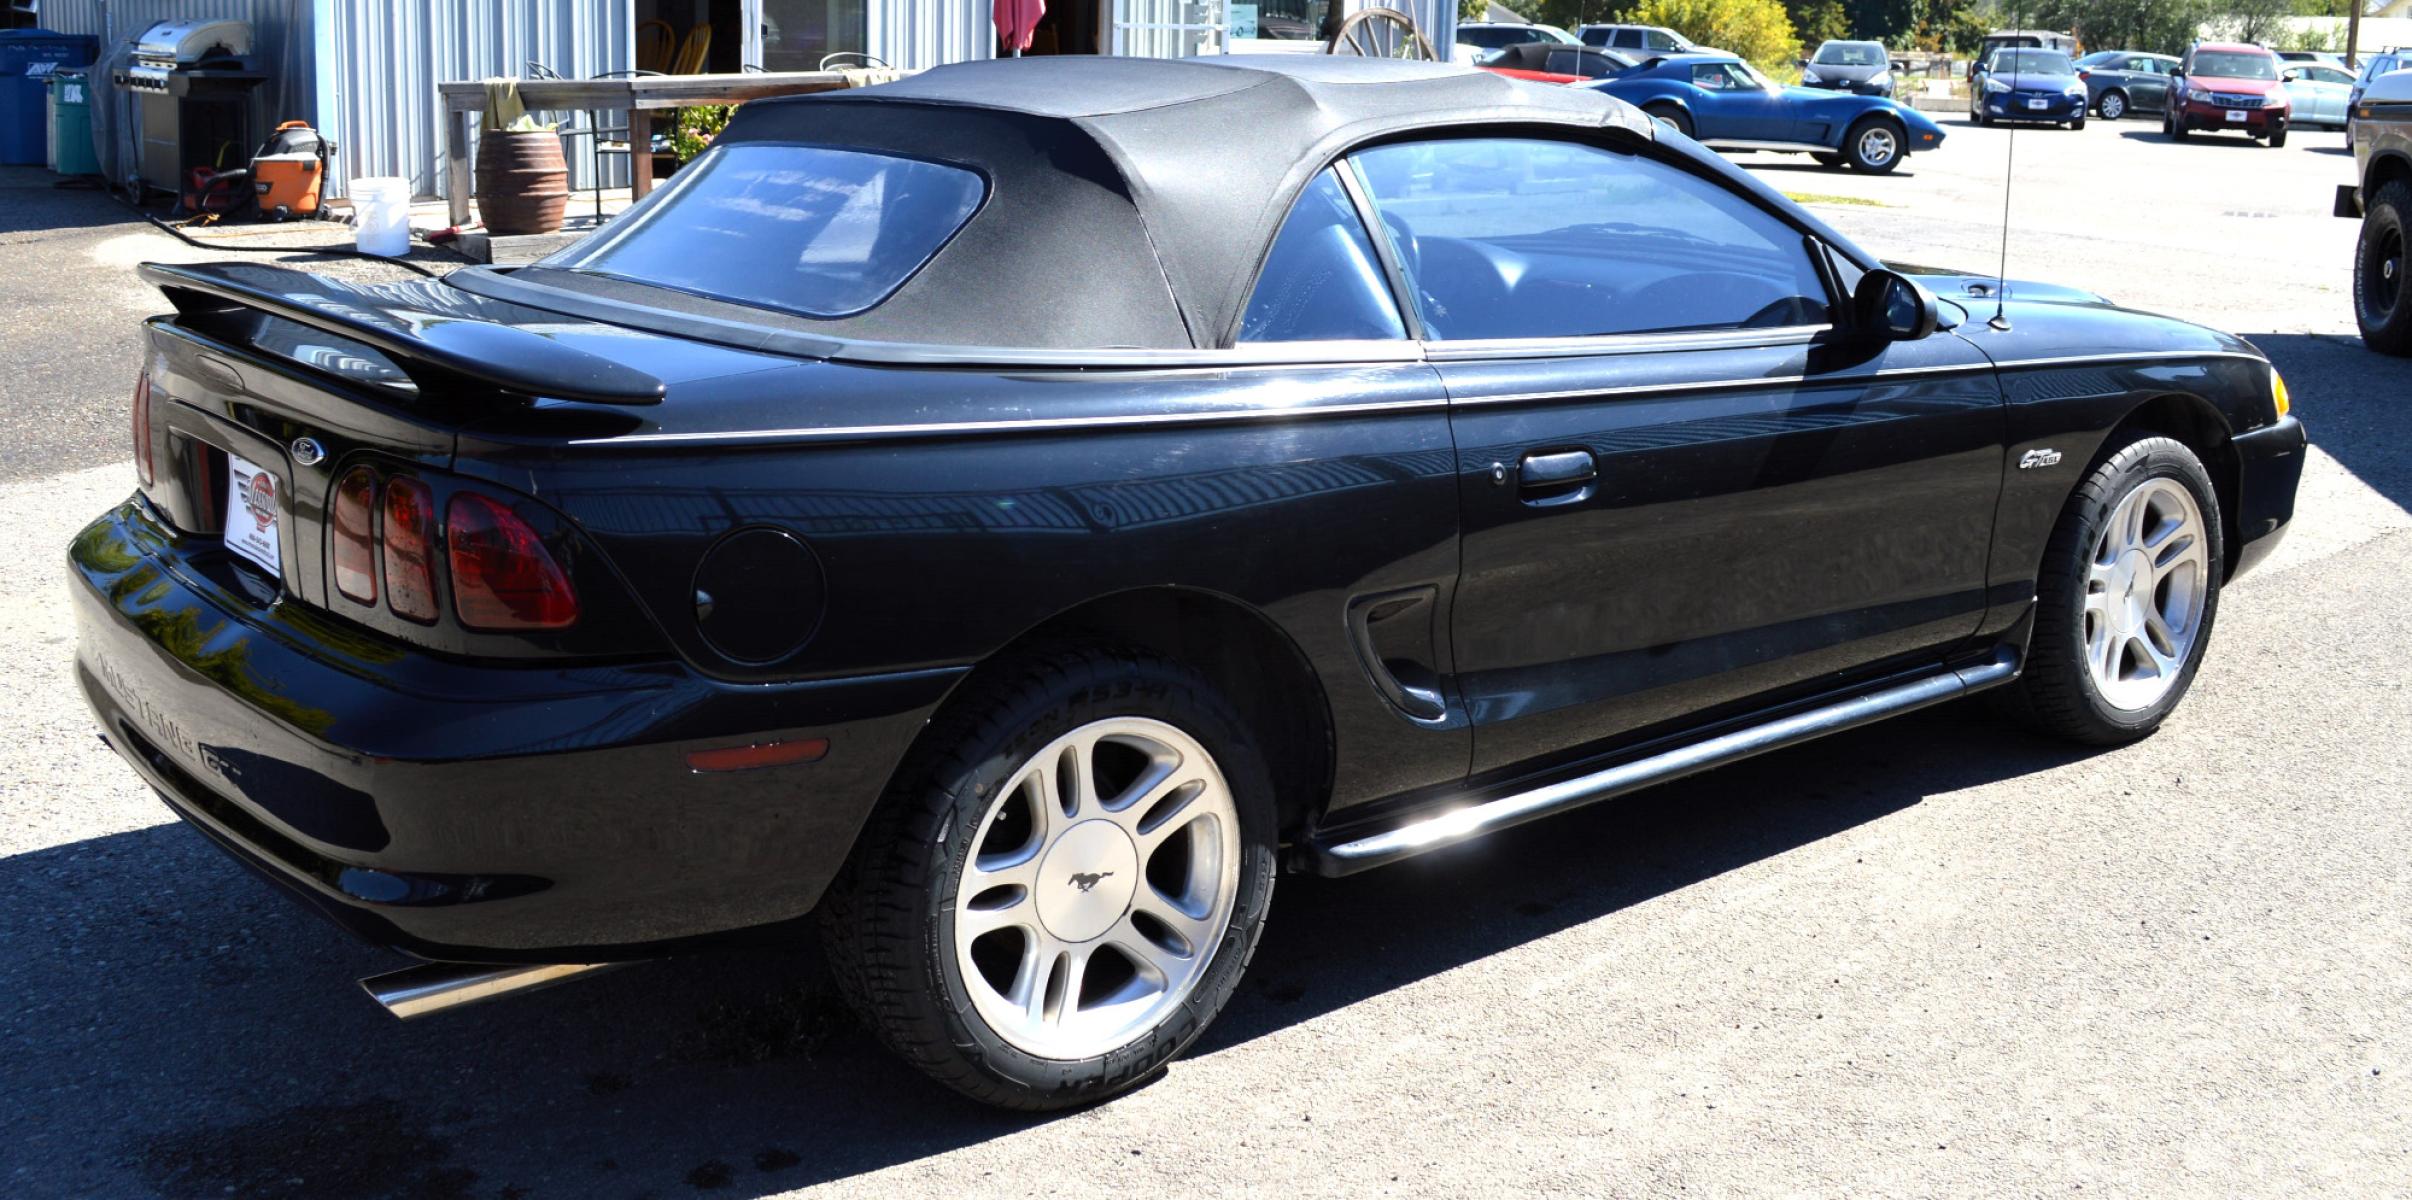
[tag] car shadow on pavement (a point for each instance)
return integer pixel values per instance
(176, 1028)
(2351, 399)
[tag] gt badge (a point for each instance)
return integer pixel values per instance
(2038, 458)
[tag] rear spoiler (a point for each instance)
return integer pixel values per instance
(427, 329)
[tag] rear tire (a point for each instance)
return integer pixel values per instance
(2382, 303)
(1681, 120)
(2117, 642)
(970, 958)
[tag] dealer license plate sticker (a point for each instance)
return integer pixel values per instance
(2236, 114)
(2035, 104)
(251, 514)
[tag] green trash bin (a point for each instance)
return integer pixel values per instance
(70, 104)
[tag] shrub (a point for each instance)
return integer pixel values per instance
(1757, 30)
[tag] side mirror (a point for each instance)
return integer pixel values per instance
(1894, 307)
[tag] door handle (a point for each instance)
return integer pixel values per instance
(1556, 470)
(1564, 477)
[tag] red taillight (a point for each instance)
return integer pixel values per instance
(409, 565)
(502, 576)
(142, 429)
(355, 533)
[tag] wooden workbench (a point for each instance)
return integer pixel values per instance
(640, 97)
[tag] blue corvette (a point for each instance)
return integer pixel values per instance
(1722, 102)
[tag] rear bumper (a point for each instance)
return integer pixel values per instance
(460, 811)
(2269, 465)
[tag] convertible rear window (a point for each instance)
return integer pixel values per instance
(806, 229)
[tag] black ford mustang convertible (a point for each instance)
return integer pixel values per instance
(1016, 513)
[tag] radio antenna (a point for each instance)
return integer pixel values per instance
(2001, 270)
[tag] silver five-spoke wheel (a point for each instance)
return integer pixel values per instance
(2144, 593)
(1099, 884)
(1878, 145)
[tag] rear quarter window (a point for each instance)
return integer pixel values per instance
(812, 230)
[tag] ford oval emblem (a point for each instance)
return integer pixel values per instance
(307, 452)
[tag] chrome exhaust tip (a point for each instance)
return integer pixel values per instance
(427, 988)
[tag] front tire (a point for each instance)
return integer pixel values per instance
(2126, 597)
(2079, 123)
(2175, 126)
(2382, 305)
(2113, 105)
(1063, 890)
(1875, 145)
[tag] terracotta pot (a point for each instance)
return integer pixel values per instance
(522, 182)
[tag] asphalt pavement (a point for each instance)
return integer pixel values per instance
(1933, 957)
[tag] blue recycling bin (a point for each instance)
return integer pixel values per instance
(27, 57)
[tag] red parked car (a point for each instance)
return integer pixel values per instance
(2227, 85)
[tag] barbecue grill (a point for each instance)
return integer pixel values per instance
(194, 90)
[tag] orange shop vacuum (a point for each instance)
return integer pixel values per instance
(287, 172)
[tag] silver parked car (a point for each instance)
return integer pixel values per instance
(2319, 93)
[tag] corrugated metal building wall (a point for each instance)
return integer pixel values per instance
(280, 40)
(365, 71)
(918, 34)
(386, 57)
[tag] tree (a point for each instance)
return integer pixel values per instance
(1757, 30)
(1819, 21)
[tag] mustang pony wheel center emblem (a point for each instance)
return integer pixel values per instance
(1087, 880)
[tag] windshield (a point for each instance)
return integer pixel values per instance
(1742, 76)
(2235, 64)
(2032, 62)
(806, 229)
(1850, 54)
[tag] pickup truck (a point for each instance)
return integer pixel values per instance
(2381, 128)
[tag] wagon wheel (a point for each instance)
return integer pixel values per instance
(1381, 33)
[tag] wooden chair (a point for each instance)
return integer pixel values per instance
(656, 46)
(699, 47)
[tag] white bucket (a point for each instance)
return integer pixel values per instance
(381, 215)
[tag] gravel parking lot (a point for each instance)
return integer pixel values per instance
(1927, 958)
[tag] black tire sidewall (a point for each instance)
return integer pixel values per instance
(2105, 105)
(1672, 115)
(2389, 332)
(2059, 644)
(1146, 689)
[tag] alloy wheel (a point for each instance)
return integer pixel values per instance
(2114, 106)
(1103, 877)
(2144, 593)
(1877, 146)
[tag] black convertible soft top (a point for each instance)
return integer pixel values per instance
(1131, 200)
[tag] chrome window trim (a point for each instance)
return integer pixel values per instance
(1623, 343)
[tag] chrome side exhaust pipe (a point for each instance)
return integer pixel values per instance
(414, 992)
